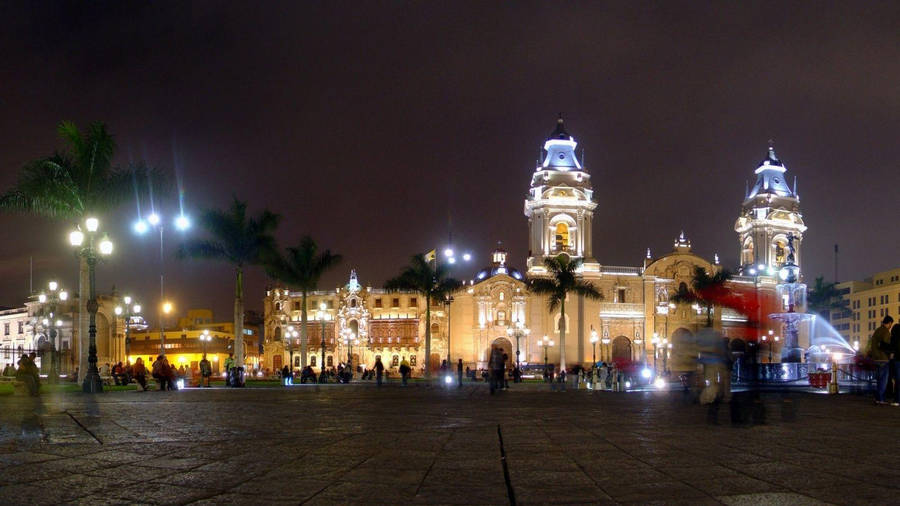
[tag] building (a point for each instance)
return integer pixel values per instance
(868, 302)
(15, 334)
(194, 334)
(633, 322)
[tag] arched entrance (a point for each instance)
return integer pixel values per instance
(621, 349)
(506, 346)
(683, 355)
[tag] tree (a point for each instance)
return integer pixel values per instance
(431, 281)
(301, 268)
(823, 297)
(707, 290)
(73, 184)
(561, 280)
(240, 241)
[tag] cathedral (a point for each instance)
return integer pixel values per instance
(634, 321)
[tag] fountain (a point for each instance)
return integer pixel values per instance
(792, 300)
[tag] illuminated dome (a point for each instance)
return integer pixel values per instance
(770, 178)
(560, 150)
(498, 266)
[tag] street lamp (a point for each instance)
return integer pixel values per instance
(604, 341)
(655, 342)
(128, 310)
(545, 343)
(594, 339)
(90, 252)
(666, 347)
(166, 309)
(518, 330)
(141, 227)
(322, 315)
(447, 301)
(52, 325)
(205, 338)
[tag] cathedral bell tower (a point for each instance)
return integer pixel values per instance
(770, 212)
(560, 205)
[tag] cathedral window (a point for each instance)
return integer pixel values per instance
(352, 302)
(412, 360)
(395, 361)
(780, 245)
(620, 295)
(296, 306)
(413, 302)
(747, 252)
(312, 360)
(378, 303)
(501, 317)
(562, 237)
(330, 361)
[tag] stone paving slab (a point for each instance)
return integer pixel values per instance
(363, 445)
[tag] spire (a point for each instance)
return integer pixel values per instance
(771, 158)
(560, 131)
(648, 253)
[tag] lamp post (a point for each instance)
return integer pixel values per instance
(52, 324)
(290, 335)
(127, 312)
(322, 315)
(594, 339)
(92, 382)
(546, 343)
(447, 301)
(165, 309)
(655, 342)
(141, 227)
(518, 330)
(205, 338)
(604, 342)
(667, 346)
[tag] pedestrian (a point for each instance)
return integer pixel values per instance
(286, 375)
(28, 374)
(895, 362)
(405, 370)
(205, 371)
(188, 376)
(118, 374)
(496, 366)
(129, 372)
(140, 373)
(229, 365)
(158, 372)
(504, 378)
(459, 373)
(379, 370)
(878, 350)
(9, 370)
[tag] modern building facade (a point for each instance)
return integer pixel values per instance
(634, 321)
(868, 302)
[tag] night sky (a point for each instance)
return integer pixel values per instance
(368, 124)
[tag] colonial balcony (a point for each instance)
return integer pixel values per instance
(621, 310)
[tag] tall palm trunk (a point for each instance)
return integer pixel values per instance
(304, 334)
(84, 287)
(427, 337)
(562, 335)
(239, 319)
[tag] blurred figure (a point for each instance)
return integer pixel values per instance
(895, 362)
(405, 371)
(715, 359)
(495, 363)
(206, 371)
(379, 370)
(140, 373)
(879, 351)
(28, 375)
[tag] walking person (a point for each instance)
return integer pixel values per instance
(205, 371)
(459, 373)
(28, 374)
(878, 350)
(895, 362)
(229, 365)
(379, 370)
(286, 375)
(404, 371)
(140, 373)
(496, 365)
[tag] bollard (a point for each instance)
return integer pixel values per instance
(833, 386)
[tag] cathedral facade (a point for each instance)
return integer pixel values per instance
(633, 322)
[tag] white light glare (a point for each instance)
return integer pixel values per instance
(448, 379)
(451, 260)
(153, 219)
(448, 252)
(140, 227)
(53, 286)
(182, 222)
(106, 246)
(42, 298)
(659, 383)
(92, 224)
(645, 373)
(63, 295)
(467, 256)
(76, 237)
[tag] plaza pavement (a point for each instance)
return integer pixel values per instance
(338, 444)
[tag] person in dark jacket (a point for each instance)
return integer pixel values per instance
(879, 350)
(379, 370)
(895, 362)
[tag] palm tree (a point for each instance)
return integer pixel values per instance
(706, 290)
(823, 297)
(562, 280)
(301, 268)
(433, 282)
(240, 241)
(73, 184)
